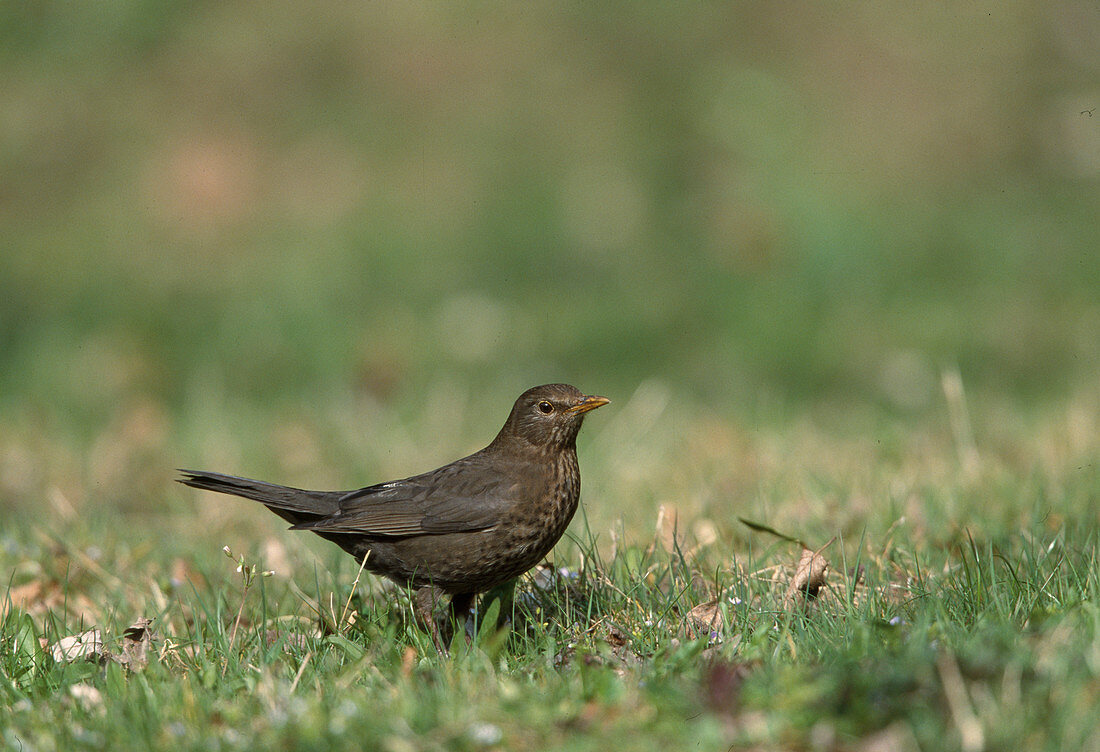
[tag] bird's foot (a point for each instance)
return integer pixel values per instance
(438, 622)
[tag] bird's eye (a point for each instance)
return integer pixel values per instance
(545, 407)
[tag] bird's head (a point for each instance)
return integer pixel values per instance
(549, 416)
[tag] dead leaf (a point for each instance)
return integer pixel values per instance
(809, 577)
(138, 631)
(86, 646)
(135, 645)
(621, 653)
(616, 639)
(706, 618)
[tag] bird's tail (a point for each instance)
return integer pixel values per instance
(292, 504)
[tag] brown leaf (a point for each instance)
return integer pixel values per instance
(616, 639)
(138, 631)
(86, 646)
(809, 577)
(135, 645)
(620, 648)
(706, 617)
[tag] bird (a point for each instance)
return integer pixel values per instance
(461, 529)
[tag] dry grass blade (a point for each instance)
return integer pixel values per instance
(347, 604)
(666, 533)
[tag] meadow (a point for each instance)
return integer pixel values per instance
(836, 269)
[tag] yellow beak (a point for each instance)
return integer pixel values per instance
(590, 402)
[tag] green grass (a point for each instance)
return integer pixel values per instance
(327, 245)
(971, 624)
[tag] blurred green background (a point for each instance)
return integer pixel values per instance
(303, 222)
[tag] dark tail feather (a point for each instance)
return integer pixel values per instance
(292, 504)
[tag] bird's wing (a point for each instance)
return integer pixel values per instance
(461, 497)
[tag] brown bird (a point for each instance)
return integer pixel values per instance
(459, 530)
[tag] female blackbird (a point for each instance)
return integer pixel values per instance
(459, 530)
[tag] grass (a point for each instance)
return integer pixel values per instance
(325, 246)
(947, 621)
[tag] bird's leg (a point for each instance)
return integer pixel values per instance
(425, 605)
(440, 626)
(461, 604)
